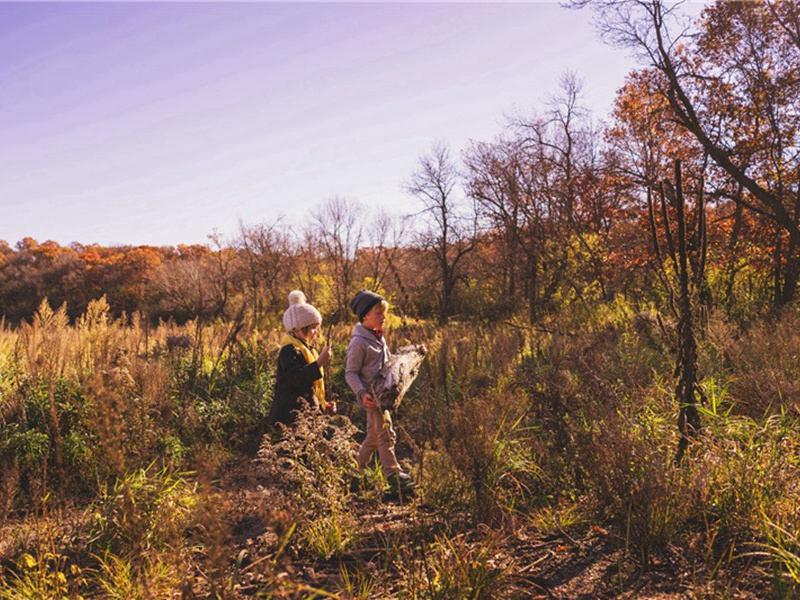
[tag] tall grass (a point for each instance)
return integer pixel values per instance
(84, 404)
(125, 424)
(109, 413)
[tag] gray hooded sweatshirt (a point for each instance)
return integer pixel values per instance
(366, 354)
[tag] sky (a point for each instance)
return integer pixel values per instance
(160, 123)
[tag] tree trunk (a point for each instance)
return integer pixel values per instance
(689, 417)
(533, 285)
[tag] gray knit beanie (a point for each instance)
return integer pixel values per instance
(300, 313)
(363, 302)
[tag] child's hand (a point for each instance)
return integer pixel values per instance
(369, 403)
(325, 357)
(331, 407)
(423, 350)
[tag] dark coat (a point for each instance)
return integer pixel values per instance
(293, 381)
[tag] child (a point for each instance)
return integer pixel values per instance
(300, 368)
(366, 354)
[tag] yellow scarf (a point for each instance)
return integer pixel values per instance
(311, 356)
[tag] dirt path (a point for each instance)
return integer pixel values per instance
(558, 566)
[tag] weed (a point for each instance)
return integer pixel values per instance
(454, 567)
(356, 585)
(314, 459)
(121, 579)
(44, 576)
(783, 549)
(493, 451)
(328, 535)
(627, 463)
(566, 517)
(146, 511)
(442, 484)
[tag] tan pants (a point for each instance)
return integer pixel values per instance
(380, 438)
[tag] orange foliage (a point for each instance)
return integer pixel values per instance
(193, 251)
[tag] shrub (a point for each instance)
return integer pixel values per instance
(441, 483)
(627, 467)
(313, 459)
(46, 575)
(747, 472)
(455, 567)
(762, 377)
(491, 447)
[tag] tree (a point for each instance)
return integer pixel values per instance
(563, 145)
(184, 287)
(385, 237)
(450, 222)
(495, 180)
(644, 139)
(541, 189)
(265, 253)
(38, 271)
(688, 261)
(338, 229)
(734, 87)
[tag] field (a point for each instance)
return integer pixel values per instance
(610, 403)
(136, 464)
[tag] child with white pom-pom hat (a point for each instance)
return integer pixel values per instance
(301, 369)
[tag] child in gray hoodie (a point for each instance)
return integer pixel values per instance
(366, 354)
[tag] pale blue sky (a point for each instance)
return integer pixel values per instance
(156, 123)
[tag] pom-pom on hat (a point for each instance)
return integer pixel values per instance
(363, 302)
(300, 313)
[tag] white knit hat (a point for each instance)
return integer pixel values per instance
(300, 313)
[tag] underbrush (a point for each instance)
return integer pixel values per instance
(81, 405)
(115, 431)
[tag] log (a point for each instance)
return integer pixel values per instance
(393, 380)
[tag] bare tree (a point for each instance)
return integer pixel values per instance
(338, 227)
(383, 236)
(385, 239)
(307, 264)
(539, 187)
(265, 253)
(563, 146)
(496, 180)
(184, 287)
(450, 219)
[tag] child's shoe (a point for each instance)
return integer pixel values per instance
(400, 486)
(356, 484)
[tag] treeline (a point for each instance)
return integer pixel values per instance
(558, 212)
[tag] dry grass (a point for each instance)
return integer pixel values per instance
(115, 434)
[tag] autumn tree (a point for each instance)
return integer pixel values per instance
(37, 271)
(564, 145)
(734, 87)
(449, 228)
(135, 270)
(186, 289)
(541, 189)
(308, 270)
(495, 173)
(383, 237)
(643, 141)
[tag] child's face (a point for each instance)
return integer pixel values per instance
(309, 333)
(375, 317)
